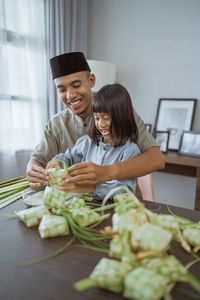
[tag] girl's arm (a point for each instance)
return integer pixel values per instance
(89, 173)
(73, 155)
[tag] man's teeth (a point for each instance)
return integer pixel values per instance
(74, 103)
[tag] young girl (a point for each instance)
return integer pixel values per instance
(111, 138)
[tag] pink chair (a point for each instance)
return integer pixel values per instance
(146, 186)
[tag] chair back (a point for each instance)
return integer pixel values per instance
(146, 185)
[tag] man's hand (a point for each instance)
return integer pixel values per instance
(74, 187)
(37, 175)
(88, 173)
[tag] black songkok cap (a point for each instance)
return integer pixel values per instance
(68, 63)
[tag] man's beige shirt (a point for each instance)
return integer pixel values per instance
(64, 129)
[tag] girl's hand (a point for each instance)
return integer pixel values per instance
(90, 173)
(75, 187)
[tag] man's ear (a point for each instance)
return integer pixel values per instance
(92, 80)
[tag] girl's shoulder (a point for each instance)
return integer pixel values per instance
(131, 146)
(85, 139)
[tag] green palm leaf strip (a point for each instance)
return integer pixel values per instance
(10, 190)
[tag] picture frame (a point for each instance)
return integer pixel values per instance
(162, 139)
(190, 143)
(148, 127)
(175, 115)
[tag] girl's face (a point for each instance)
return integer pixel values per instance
(102, 123)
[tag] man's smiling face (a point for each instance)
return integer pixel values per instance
(75, 92)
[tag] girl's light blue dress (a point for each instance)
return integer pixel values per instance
(104, 154)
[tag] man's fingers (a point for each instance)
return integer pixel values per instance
(35, 181)
(32, 174)
(38, 169)
(37, 176)
(35, 185)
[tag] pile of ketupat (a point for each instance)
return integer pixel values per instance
(58, 217)
(139, 265)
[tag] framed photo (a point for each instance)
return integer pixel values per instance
(190, 143)
(175, 115)
(162, 139)
(148, 127)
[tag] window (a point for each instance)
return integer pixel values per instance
(22, 74)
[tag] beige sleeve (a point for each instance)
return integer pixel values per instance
(47, 148)
(145, 139)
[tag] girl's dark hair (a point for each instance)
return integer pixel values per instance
(114, 100)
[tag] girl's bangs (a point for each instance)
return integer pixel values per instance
(99, 107)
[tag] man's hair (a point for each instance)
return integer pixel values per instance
(114, 100)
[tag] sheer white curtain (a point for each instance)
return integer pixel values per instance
(23, 99)
(66, 31)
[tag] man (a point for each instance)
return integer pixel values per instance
(73, 81)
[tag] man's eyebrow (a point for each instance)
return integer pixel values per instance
(76, 81)
(73, 82)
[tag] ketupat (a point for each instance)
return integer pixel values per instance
(76, 203)
(165, 223)
(32, 216)
(144, 284)
(127, 198)
(127, 254)
(128, 220)
(171, 268)
(52, 226)
(166, 265)
(55, 176)
(192, 236)
(116, 247)
(120, 248)
(149, 280)
(108, 274)
(54, 198)
(151, 237)
(170, 223)
(57, 173)
(85, 216)
(148, 240)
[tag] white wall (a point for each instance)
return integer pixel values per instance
(156, 47)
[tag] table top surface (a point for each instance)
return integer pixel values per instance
(172, 157)
(55, 278)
